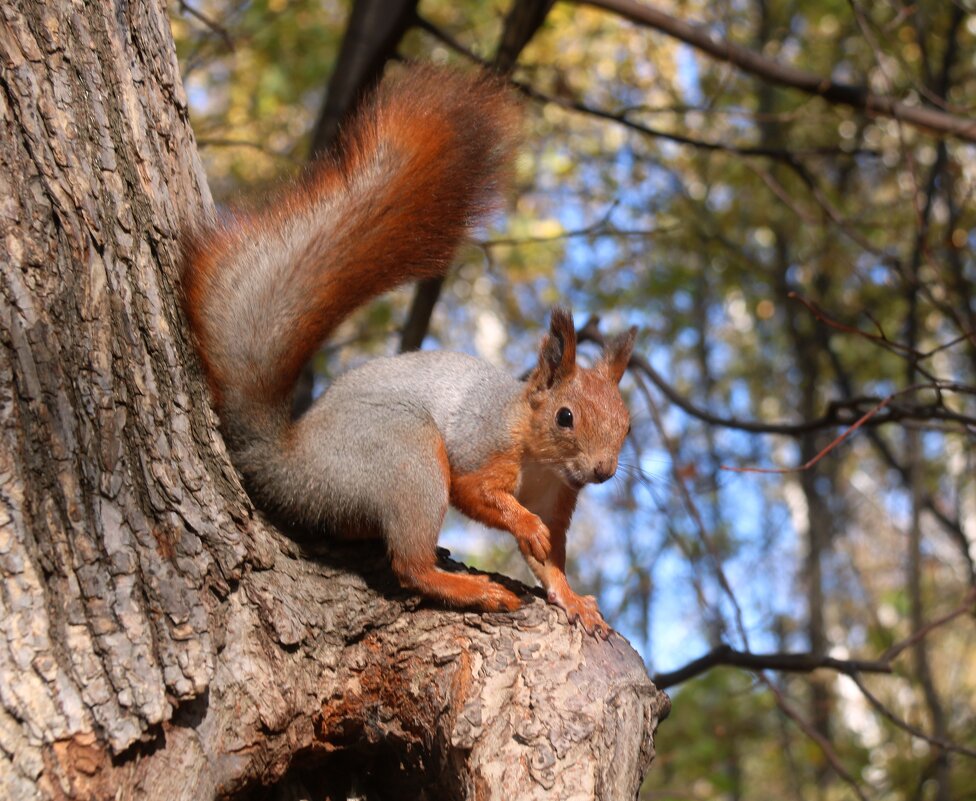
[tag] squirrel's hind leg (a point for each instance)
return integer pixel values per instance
(454, 589)
(415, 513)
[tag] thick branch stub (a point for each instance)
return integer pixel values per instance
(468, 706)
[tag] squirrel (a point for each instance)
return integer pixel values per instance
(389, 445)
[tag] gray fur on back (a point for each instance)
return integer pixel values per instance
(367, 447)
(466, 399)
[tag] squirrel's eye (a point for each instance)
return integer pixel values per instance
(564, 418)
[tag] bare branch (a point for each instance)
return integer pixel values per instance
(623, 117)
(415, 328)
(785, 156)
(968, 605)
(601, 227)
(890, 716)
(839, 412)
(859, 97)
(725, 655)
(823, 452)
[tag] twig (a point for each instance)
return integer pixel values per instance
(831, 417)
(725, 655)
(787, 709)
(890, 716)
(967, 605)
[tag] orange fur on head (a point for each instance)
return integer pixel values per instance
(586, 449)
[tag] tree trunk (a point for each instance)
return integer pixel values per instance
(159, 640)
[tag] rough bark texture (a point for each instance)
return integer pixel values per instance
(158, 640)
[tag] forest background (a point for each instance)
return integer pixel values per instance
(799, 261)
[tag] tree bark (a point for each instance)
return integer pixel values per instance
(159, 639)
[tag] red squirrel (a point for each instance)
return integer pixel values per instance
(390, 444)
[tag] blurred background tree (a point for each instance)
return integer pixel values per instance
(780, 194)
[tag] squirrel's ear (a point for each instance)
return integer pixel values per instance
(557, 355)
(616, 354)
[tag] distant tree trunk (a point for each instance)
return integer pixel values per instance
(158, 639)
(820, 520)
(819, 523)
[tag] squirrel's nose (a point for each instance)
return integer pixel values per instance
(603, 470)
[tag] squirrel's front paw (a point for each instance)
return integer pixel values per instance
(533, 540)
(584, 609)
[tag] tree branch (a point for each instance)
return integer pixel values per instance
(858, 97)
(810, 731)
(890, 716)
(831, 417)
(725, 655)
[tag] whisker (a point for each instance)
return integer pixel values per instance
(645, 477)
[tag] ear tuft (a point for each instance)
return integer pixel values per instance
(561, 327)
(616, 354)
(557, 355)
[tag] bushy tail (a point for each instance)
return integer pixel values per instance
(419, 164)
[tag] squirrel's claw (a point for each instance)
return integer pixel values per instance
(584, 609)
